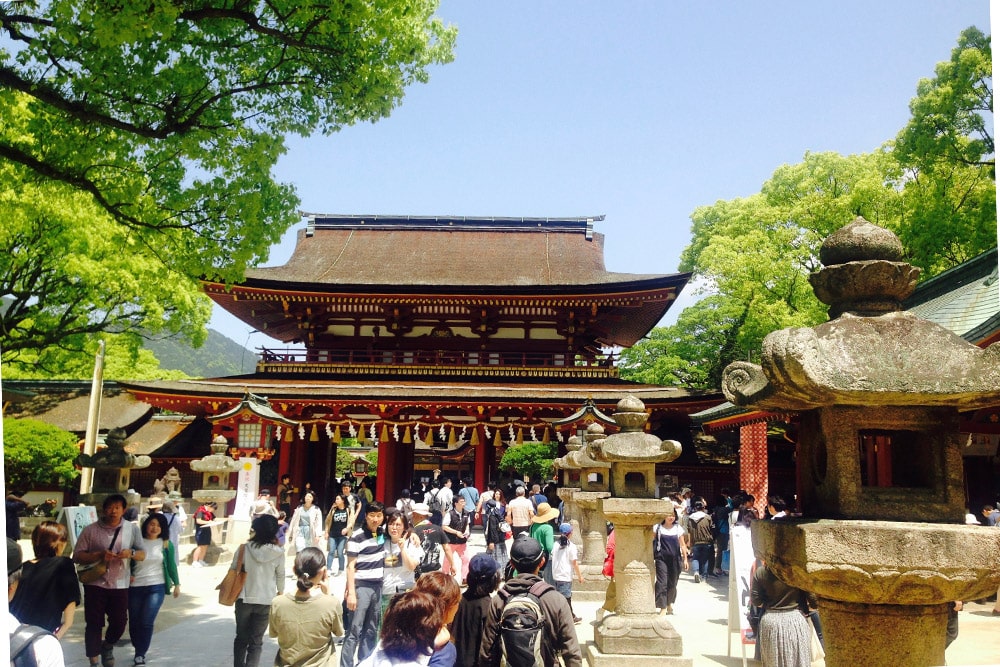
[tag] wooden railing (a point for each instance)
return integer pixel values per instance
(448, 362)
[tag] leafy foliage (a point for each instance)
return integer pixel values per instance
(947, 161)
(532, 458)
(934, 188)
(37, 453)
(146, 133)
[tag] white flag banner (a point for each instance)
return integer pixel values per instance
(741, 562)
(246, 488)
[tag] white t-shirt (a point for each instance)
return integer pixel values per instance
(562, 561)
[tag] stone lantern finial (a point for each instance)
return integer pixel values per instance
(864, 272)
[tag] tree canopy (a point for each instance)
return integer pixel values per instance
(37, 453)
(150, 130)
(934, 186)
(533, 459)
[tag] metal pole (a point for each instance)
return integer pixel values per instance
(93, 418)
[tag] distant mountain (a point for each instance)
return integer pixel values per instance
(219, 356)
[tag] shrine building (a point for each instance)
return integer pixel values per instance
(439, 340)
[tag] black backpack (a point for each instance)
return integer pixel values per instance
(21, 641)
(522, 626)
(434, 503)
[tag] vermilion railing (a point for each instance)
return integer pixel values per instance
(435, 358)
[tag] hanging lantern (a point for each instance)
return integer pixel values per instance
(384, 437)
(520, 436)
(336, 435)
(407, 440)
(289, 436)
(314, 434)
(451, 437)
(545, 436)
(496, 439)
(475, 438)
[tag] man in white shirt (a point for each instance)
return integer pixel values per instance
(520, 512)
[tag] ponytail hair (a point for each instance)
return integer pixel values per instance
(308, 564)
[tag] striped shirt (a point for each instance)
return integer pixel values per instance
(366, 549)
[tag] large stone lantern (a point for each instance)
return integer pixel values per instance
(882, 542)
(635, 634)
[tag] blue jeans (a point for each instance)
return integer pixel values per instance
(701, 559)
(144, 604)
(337, 544)
(362, 635)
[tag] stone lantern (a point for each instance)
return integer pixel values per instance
(634, 633)
(215, 469)
(879, 391)
(583, 502)
(112, 467)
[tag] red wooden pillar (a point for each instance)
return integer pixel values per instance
(284, 458)
(385, 491)
(753, 462)
(482, 464)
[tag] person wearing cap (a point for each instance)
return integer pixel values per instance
(564, 565)
(560, 640)
(543, 530)
(263, 505)
(45, 648)
(520, 512)
(433, 541)
(467, 628)
(116, 542)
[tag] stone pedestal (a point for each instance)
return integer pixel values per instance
(593, 533)
(571, 512)
(635, 633)
(883, 586)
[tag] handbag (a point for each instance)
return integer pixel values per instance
(232, 584)
(91, 573)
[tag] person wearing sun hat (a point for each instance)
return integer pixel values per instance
(543, 530)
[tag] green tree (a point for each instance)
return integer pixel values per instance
(37, 453)
(167, 118)
(947, 161)
(934, 187)
(71, 273)
(532, 458)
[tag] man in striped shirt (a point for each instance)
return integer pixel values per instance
(363, 594)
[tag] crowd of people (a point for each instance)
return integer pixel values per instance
(404, 568)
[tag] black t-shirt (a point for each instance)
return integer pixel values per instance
(46, 588)
(432, 539)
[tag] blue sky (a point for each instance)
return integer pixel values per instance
(640, 111)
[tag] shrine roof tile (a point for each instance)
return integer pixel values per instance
(446, 256)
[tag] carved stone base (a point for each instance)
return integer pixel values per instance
(635, 634)
(886, 635)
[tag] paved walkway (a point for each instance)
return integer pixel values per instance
(196, 630)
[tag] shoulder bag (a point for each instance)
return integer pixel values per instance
(232, 583)
(91, 573)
